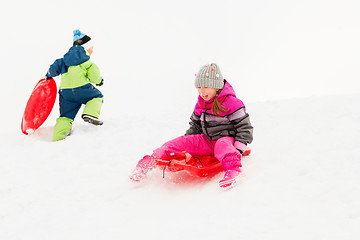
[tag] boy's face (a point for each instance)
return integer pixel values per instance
(90, 50)
(207, 93)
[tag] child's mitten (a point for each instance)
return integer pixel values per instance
(241, 147)
(101, 83)
(47, 76)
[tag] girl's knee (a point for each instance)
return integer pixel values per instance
(224, 142)
(225, 147)
(193, 144)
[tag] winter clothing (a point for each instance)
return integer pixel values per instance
(62, 128)
(137, 174)
(47, 76)
(209, 76)
(229, 178)
(233, 123)
(77, 72)
(101, 83)
(91, 119)
(142, 168)
(82, 39)
(224, 136)
(71, 100)
(76, 69)
(223, 149)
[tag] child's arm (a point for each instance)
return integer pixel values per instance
(244, 129)
(195, 125)
(57, 68)
(93, 72)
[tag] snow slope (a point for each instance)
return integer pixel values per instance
(300, 182)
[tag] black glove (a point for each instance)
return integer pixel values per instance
(47, 76)
(101, 83)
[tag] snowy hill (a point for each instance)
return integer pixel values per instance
(300, 182)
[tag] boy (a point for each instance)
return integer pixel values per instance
(77, 73)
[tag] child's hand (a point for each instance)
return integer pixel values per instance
(47, 76)
(241, 147)
(101, 83)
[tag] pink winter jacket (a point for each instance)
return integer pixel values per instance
(234, 123)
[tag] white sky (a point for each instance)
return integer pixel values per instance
(267, 49)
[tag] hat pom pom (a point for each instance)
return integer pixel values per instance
(77, 32)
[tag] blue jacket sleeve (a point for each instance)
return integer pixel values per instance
(57, 68)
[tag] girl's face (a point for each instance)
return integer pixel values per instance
(207, 93)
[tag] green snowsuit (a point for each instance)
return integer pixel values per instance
(77, 72)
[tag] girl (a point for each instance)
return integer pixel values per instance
(219, 126)
(77, 71)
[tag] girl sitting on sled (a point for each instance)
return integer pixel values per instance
(220, 126)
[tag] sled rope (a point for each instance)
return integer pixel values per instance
(198, 159)
(167, 164)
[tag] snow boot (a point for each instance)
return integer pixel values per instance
(92, 120)
(230, 178)
(142, 168)
(91, 111)
(138, 174)
(62, 128)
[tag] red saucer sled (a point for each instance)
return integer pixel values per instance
(200, 166)
(39, 105)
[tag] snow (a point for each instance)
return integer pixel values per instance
(294, 64)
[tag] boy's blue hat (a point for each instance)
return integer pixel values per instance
(80, 38)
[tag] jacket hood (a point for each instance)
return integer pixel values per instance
(75, 56)
(226, 91)
(227, 98)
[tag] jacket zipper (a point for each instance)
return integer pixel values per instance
(207, 133)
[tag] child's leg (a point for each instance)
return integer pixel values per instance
(62, 128)
(194, 144)
(93, 107)
(91, 97)
(68, 107)
(227, 154)
(230, 159)
(68, 111)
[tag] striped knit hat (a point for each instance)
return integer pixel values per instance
(82, 39)
(209, 76)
